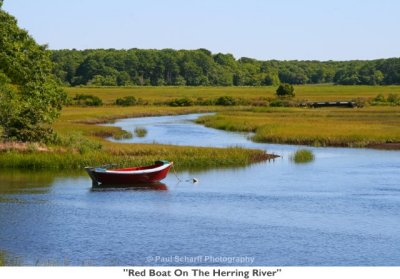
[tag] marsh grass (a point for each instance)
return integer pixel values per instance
(83, 144)
(122, 135)
(317, 127)
(302, 156)
(158, 94)
(76, 141)
(133, 154)
(140, 132)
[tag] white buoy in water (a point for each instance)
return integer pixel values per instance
(193, 180)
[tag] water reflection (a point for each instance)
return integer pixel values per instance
(7, 260)
(159, 186)
(29, 182)
(17, 186)
(2, 258)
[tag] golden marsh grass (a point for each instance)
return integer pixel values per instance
(361, 127)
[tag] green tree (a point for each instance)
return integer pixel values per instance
(220, 76)
(30, 97)
(123, 79)
(285, 90)
(192, 73)
(271, 79)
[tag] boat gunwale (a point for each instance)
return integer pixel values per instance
(149, 169)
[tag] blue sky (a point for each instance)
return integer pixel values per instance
(262, 29)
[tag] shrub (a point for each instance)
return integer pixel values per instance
(284, 103)
(279, 103)
(68, 101)
(393, 99)
(126, 101)
(182, 102)
(359, 102)
(226, 101)
(285, 90)
(205, 102)
(87, 100)
(379, 98)
(260, 102)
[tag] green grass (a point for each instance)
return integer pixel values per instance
(128, 155)
(302, 156)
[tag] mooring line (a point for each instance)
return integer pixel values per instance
(173, 168)
(193, 180)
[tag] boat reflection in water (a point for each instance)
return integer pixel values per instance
(157, 186)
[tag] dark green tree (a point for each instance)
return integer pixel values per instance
(271, 79)
(285, 90)
(30, 97)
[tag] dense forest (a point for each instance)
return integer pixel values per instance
(110, 67)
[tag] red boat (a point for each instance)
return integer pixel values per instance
(129, 176)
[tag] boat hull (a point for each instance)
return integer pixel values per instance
(130, 176)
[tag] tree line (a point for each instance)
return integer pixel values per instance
(111, 67)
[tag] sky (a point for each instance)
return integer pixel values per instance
(261, 29)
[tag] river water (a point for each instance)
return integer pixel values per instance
(341, 209)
